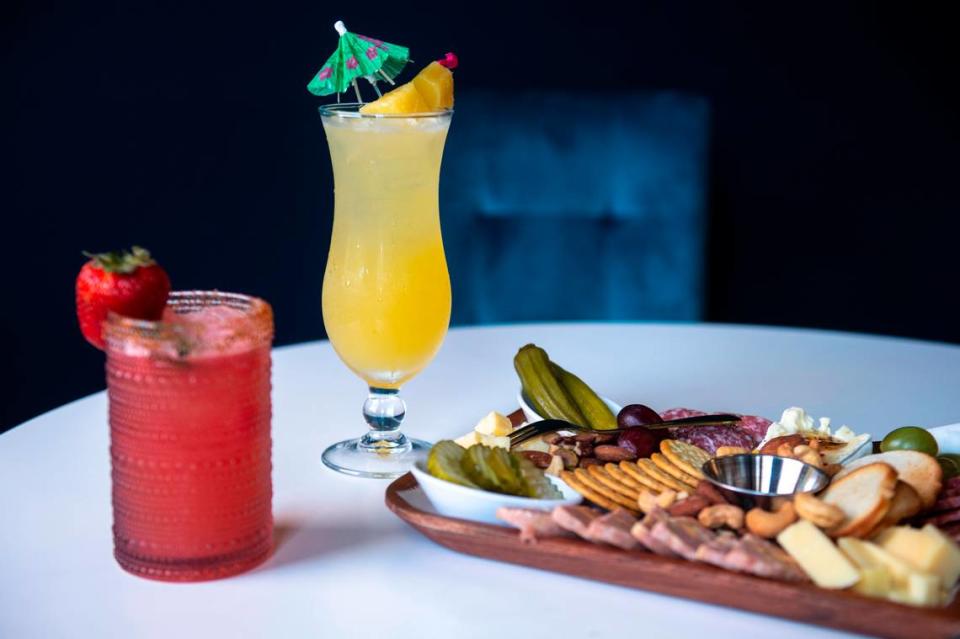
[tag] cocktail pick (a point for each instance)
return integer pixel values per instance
(358, 56)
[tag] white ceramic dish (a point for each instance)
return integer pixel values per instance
(452, 500)
(531, 415)
(948, 438)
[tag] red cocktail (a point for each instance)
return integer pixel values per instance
(190, 437)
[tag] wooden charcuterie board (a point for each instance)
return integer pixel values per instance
(677, 577)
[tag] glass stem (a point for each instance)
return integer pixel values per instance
(384, 411)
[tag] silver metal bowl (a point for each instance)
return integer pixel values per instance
(750, 480)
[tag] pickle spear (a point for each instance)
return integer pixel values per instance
(596, 412)
(542, 387)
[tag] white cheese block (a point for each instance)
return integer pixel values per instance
(494, 424)
(819, 558)
(468, 440)
(921, 589)
(949, 568)
(899, 570)
(900, 582)
(926, 550)
(875, 578)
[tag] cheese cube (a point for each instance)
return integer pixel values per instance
(899, 570)
(468, 440)
(493, 441)
(949, 569)
(494, 424)
(922, 589)
(926, 550)
(875, 579)
(819, 558)
(874, 582)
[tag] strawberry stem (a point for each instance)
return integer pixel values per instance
(125, 262)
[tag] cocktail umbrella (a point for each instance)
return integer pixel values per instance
(358, 56)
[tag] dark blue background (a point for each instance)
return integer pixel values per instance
(833, 176)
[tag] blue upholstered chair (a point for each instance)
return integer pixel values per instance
(558, 206)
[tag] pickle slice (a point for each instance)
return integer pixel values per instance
(509, 479)
(535, 482)
(476, 465)
(445, 462)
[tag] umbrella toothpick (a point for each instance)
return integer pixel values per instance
(358, 56)
(373, 83)
(386, 77)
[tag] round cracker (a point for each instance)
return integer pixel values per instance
(687, 456)
(612, 495)
(674, 471)
(637, 473)
(586, 492)
(608, 480)
(623, 477)
(654, 471)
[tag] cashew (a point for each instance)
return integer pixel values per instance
(555, 467)
(768, 525)
(667, 498)
(808, 456)
(720, 515)
(784, 450)
(724, 451)
(647, 500)
(816, 511)
(833, 469)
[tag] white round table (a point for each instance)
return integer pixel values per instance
(345, 566)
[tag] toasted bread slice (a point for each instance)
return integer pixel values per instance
(864, 496)
(917, 469)
(906, 503)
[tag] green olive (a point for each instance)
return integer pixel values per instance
(910, 438)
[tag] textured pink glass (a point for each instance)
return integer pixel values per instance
(190, 437)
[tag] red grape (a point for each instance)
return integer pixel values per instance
(637, 415)
(641, 441)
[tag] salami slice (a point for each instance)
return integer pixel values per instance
(746, 434)
(680, 413)
(945, 504)
(948, 492)
(755, 425)
(710, 438)
(943, 518)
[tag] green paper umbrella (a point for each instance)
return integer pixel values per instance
(358, 56)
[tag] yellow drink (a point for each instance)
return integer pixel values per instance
(386, 290)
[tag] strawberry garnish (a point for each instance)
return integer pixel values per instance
(129, 283)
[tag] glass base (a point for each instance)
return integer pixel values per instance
(359, 458)
(195, 569)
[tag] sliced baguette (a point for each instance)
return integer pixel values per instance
(864, 496)
(917, 469)
(906, 503)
